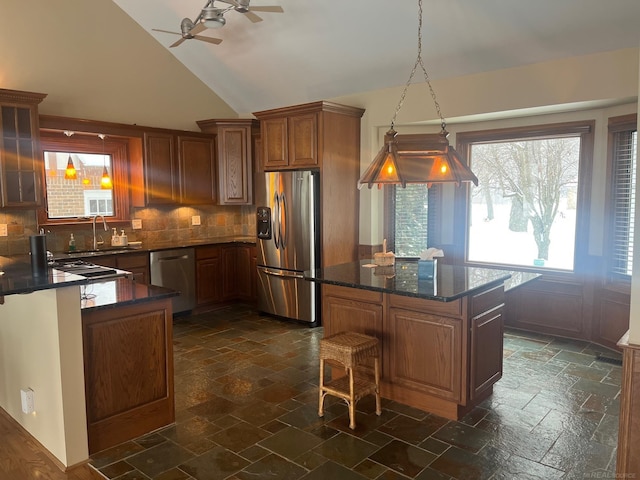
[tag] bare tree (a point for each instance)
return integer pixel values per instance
(534, 173)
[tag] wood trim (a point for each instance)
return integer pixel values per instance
(321, 106)
(628, 455)
(21, 97)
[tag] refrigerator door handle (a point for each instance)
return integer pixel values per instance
(276, 221)
(281, 273)
(283, 221)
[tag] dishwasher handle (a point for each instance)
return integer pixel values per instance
(167, 259)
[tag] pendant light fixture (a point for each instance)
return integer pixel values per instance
(105, 181)
(70, 172)
(424, 159)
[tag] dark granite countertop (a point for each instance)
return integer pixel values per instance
(155, 246)
(119, 292)
(451, 281)
(16, 277)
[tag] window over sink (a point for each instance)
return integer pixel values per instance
(76, 201)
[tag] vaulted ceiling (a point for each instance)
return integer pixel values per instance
(328, 48)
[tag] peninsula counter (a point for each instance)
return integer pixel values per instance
(441, 338)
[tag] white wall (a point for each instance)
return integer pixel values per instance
(634, 319)
(41, 349)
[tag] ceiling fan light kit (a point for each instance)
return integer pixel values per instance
(212, 17)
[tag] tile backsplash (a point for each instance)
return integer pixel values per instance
(159, 225)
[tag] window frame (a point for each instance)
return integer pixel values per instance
(117, 148)
(622, 123)
(586, 131)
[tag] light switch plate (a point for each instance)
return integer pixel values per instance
(195, 220)
(136, 224)
(3, 230)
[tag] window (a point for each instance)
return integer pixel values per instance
(71, 201)
(528, 209)
(623, 147)
(407, 226)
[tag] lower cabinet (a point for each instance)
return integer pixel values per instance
(128, 362)
(441, 357)
(225, 273)
(136, 263)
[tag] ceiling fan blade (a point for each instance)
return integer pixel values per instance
(176, 43)
(253, 17)
(165, 31)
(200, 27)
(215, 41)
(272, 9)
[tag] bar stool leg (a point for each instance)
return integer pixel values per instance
(321, 390)
(376, 364)
(352, 401)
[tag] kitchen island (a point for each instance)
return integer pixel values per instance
(58, 331)
(441, 338)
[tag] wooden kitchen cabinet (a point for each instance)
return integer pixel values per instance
(209, 275)
(197, 170)
(324, 136)
(137, 263)
(441, 357)
(290, 142)
(21, 165)
(234, 140)
(128, 365)
(160, 169)
(179, 169)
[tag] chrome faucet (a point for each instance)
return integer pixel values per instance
(106, 228)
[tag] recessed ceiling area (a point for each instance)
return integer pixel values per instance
(323, 49)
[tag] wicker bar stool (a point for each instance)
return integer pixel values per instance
(350, 349)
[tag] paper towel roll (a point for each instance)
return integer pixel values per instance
(38, 245)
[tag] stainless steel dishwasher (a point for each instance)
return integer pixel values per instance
(176, 269)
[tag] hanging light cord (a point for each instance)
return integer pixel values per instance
(426, 76)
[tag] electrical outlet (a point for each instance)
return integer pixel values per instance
(195, 220)
(28, 405)
(3, 230)
(136, 224)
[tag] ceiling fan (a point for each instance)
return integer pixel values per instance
(213, 17)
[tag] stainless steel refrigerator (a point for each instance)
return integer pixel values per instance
(287, 219)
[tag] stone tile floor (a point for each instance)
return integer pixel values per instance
(246, 408)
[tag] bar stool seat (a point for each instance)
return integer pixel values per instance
(351, 349)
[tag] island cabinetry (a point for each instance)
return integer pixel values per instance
(21, 166)
(441, 357)
(128, 363)
(179, 168)
(234, 140)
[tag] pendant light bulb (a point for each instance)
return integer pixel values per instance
(105, 181)
(70, 172)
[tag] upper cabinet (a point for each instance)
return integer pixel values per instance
(21, 167)
(323, 136)
(234, 143)
(179, 168)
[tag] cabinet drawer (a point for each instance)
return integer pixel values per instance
(125, 261)
(352, 293)
(452, 309)
(487, 300)
(210, 251)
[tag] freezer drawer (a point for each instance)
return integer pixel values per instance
(285, 293)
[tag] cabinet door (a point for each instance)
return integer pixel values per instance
(208, 281)
(137, 264)
(229, 268)
(425, 353)
(243, 273)
(234, 165)
(486, 351)
(275, 153)
(303, 140)
(343, 315)
(160, 169)
(20, 156)
(197, 171)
